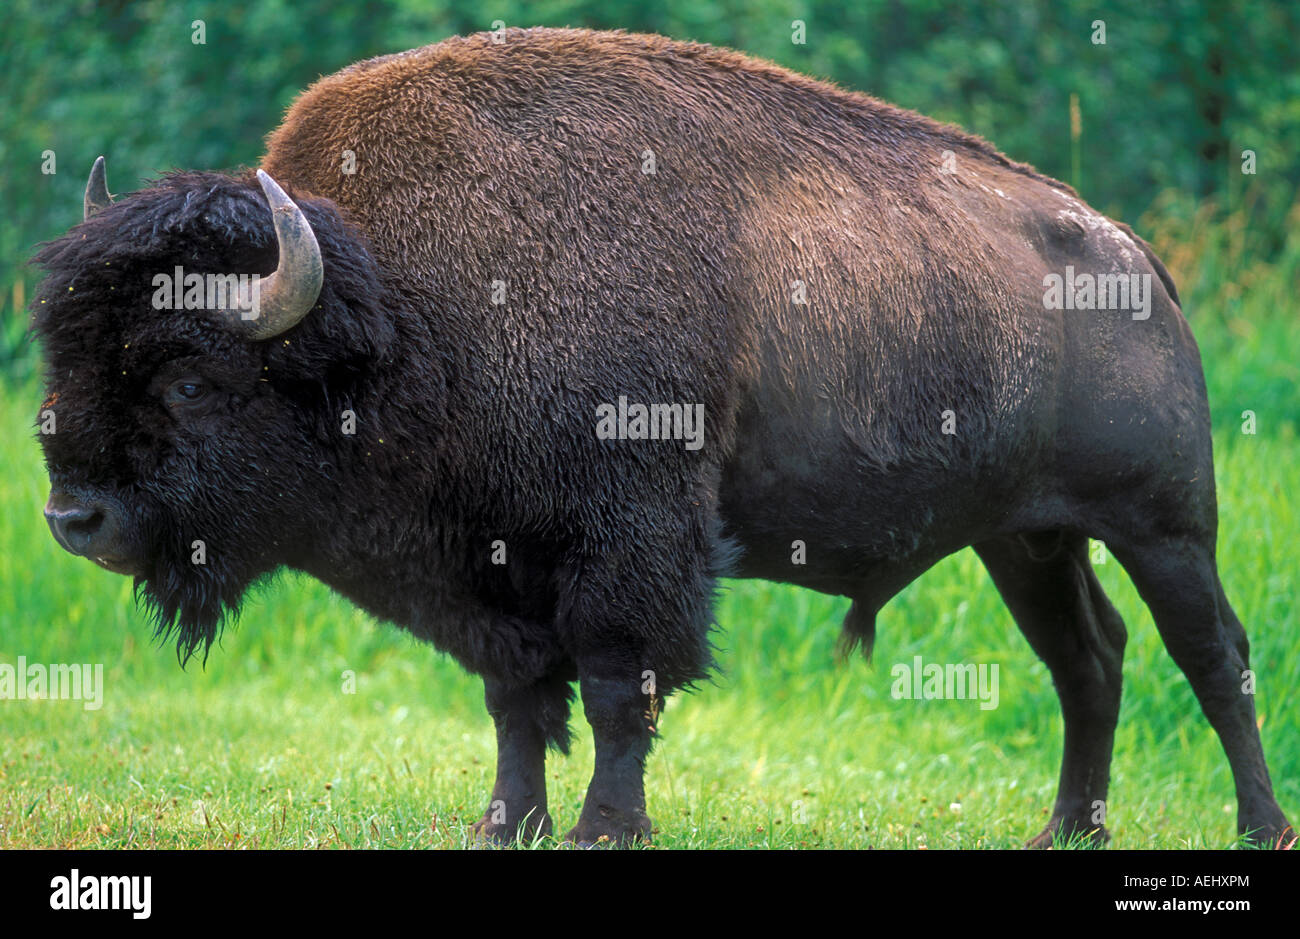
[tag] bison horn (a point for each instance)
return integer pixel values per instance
(283, 298)
(97, 197)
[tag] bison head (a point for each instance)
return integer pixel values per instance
(194, 444)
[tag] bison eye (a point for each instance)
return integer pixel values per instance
(186, 391)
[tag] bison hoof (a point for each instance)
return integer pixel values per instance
(1276, 837)
(1075, 835)
(609, 827)
(490, 834)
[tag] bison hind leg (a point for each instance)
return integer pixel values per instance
(1177, 576)
(1048, 583)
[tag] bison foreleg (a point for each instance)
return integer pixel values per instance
(526, 719)
(636, 623)
(621, 715)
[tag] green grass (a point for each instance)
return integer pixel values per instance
(789, 748)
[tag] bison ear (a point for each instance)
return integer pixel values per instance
(97, 197)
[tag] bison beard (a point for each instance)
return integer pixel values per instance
(861, 325)
(189, 603)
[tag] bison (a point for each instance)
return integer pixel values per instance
(551, 329)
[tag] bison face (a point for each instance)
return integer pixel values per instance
(190, 437)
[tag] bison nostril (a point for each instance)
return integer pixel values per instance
(77, 527)
(86, 524)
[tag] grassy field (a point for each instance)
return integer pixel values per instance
(266, 748)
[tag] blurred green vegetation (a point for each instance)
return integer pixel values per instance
(1167, 104)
